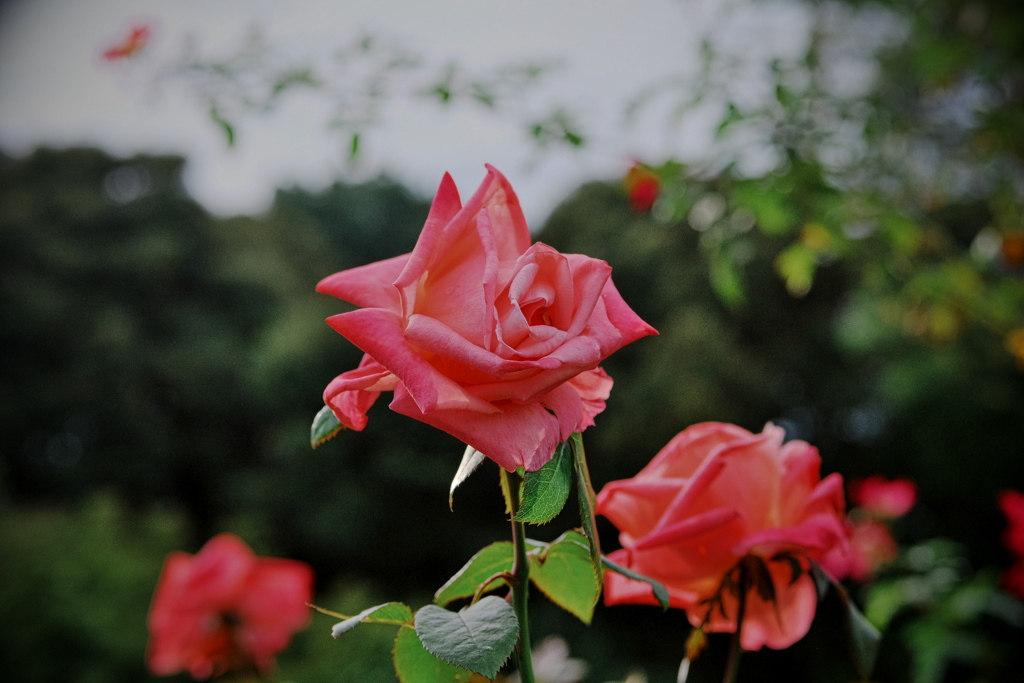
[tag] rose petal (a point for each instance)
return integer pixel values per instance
(594, 387)
(634, 506)
(520, 435)
(379, 333)
(369, 286)
(689, 448)
(446, 205)
(778, 624)
(622, 590)
(351, 394)
(567, 406)
(430, 334)
(688, 528)
(450, 254)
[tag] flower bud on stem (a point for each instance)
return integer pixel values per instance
(520, 584)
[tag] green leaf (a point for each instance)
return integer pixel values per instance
(547, 489)
(726, 280)
(471, 459)
(325, 427)
(353, 147)
(563, 573)
(864, 639)
(493, 559)
(479, 638)
(388, 613)
(414, 664)
(771, 204)
(660, 592)
(588, 501)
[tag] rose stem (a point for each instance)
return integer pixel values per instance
(732, 665)
(521, 583)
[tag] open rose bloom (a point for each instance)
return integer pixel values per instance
(481, 334)
(718, 508)
(224, 609)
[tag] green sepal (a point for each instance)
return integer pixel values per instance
(562, 572)
(413, 664)
(388, 613)
(491, 560)
(546, 490)
(479, 638)
(660, 592)
(863, 638)
(587, 501)
(471, 459)
(325, 427)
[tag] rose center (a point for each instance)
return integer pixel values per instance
(540, 316)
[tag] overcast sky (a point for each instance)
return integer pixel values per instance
(55, 89)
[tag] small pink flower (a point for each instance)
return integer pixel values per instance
(130, 45)
(224, 609)
(871, 547)
(480, 333)
(883, 499)
(719, 508)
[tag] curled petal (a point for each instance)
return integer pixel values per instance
(351, 394)
(594, 387)
(369, 286)
(379, 334)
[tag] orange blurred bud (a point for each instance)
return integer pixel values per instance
(642, 187)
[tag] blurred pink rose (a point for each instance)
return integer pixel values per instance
(224, 609)
(871, 546)
(481, 334)
(1012, 505)
(717, 499)
(881, 498)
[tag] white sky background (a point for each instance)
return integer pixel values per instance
(56, 90)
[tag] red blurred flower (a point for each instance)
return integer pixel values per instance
(1013, 249)
(130, 45)
(224, 609)
(871, 546)
(724, 517)
(642, 187)
(1012, 504)
(883, 499)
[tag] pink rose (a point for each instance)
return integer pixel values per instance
(481, 334)
(871, 546)
(224, 609)
(884, 499)
(719, 508)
